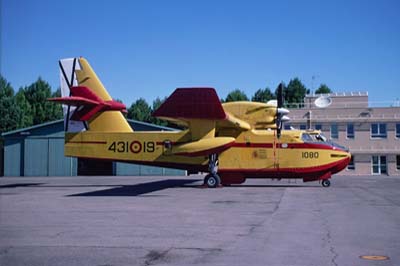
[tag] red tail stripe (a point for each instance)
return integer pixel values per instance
(85, 92)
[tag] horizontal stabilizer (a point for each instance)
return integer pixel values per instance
(192, 103)
(88, 104)
(73, 101)
(204, 147)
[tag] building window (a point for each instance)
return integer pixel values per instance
(379, 165)
(398, 162)
(398, 131)
(351, 165)
(286, 127)
(334, 131)
(378, 131)
(303, 127)
(350, 131)
(318, 127)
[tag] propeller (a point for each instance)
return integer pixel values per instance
(280, 111)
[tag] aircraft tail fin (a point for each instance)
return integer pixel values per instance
(86, 103)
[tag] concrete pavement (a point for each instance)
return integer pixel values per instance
(171, 221)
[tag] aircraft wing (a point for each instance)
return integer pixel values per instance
(204, 147)
(188, 104)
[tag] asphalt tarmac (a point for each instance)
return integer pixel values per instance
(104, 221)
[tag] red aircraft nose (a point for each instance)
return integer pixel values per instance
(341, 164)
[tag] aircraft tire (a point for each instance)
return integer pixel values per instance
(212, 181)
(326, 183)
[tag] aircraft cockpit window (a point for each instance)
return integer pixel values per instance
(306, 137)
(320, 137)
(313, 137)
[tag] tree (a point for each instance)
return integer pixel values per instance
(25, 108)
(323, 89)
(6, 90)
(294, 93)
(236, 95)
(156, 104)
(57, 110)
(42, 110)
(140, 110)
(9, 111)
(263, 95)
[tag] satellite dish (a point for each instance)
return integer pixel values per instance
(323, 101)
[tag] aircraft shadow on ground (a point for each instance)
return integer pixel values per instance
(20, 185)
(146, 188)
(138, 189)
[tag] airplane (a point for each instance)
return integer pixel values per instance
(229, 141)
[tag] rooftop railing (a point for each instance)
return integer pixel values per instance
(346, 117)
(339, 94)
(353, 104)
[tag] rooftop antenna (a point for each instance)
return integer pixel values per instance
(312, 84)
(322, 101)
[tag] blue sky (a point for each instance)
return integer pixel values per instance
(148, 48)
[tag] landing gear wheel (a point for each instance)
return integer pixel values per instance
(212, 181)
(326, 183)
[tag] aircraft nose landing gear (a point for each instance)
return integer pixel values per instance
(212, 180)
(326, 183)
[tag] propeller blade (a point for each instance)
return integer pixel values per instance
(280, 112)
(285, 118)
(280, 95)
(283, 111)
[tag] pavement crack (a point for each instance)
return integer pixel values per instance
(278, 203)
(254, 226)
(4, 250)
(335, 255)
(153, 257)
(328, 239)
(61, 233)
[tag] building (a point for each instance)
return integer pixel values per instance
(371, 133)
(39, 151)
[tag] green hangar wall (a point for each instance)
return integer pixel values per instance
(39, 151)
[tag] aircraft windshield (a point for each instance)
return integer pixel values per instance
(320, 138)
(306, 137)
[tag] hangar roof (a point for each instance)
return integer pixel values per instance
(56, 128)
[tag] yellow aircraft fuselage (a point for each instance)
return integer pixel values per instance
(254, 154)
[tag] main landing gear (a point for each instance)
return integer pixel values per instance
(326, 183)
(212, 180)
